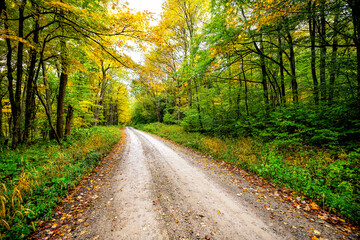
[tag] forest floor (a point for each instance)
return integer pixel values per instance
(151, 188)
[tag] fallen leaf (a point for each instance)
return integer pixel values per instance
(314, 206)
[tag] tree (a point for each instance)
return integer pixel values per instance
(41, 43)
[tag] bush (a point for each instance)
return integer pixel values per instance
(169, 119)
(191, 122)
(35, 178)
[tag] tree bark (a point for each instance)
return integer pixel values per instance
(102, 94)
(158, 113)
(294, 85)
(246, 88)
(69, 117)
(30, 91)
(264, 78)
(323, 85)
(15, 99)
(62, 90)
(198, 106)
(312, 27)
(334, 67)
(282, 82)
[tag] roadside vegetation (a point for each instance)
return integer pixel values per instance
(272, 86)
(328, 177)
(35, 178)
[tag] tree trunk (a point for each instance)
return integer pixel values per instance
(10, 74)
(294, 84)
(15, 99)
(282, 82)
(312, 27)
(62, 90)
(334, 67)
(323, 87)
(47, 101)
(246, 88)
(102, 94)
(198, 105)
(158, 113)
(189, 92)
(178, 104)
(238, 98)
(69, 116)
(264, 79)
(30, 91)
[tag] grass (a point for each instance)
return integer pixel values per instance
(331, 180)
(35, 178)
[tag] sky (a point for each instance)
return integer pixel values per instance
(149, 5)
(153, 6)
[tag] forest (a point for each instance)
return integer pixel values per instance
(281, 77)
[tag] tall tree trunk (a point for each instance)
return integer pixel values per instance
(47, 101)
(189, 92)
(158, 113)
(294, 85)
(238, 98)
(178, 101)
(264, 78)
(10, 74)
(198, 105)
(312, 32)
(69, 117)
(282, 78)
(323, 87)
(246, 88)
(102, 93)
(30, 91)
(62, 90)
(334, 67)
(15, 99)
(19, 76)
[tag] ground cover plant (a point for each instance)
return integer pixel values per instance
(331, 180)
(35, 178)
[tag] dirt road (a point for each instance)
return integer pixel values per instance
(160, 190)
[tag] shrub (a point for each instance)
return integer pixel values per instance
(35, 178)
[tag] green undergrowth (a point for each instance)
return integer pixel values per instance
(35, 178)
(332, 180)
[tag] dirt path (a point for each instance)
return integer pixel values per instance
(160, 190)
